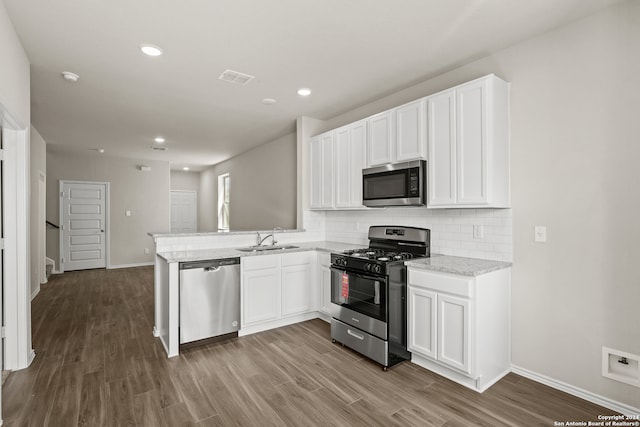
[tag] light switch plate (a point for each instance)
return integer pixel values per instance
(478, 232)
(127, 213)
(540, 233)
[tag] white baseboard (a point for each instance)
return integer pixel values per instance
(35, 293)
(576, 391)
(138, 264)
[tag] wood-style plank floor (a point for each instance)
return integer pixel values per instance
(98, 364)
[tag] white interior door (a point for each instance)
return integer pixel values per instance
(83, 233)
(183, 212)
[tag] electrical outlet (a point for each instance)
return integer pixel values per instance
(540, 233)
(478, 232)
(127, 213)
(146, 250)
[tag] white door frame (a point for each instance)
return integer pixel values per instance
(107, 221)
(42, 218)
(18, 353)
(195, 194)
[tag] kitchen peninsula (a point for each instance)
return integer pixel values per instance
(172, 249)
(301, 285)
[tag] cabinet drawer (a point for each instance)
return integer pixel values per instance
(297, 258)
(259, 262)
(375, 348)
(442, 282)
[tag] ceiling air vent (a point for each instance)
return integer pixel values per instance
(158, 148)
(236, 77)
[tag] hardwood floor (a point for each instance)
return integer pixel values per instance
(98, 364)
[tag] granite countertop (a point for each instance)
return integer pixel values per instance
(223, 233)
(458, 265)
(206, 254)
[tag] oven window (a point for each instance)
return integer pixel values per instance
(385, 185)
(366, 295)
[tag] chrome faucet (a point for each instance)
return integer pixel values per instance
(260, 239)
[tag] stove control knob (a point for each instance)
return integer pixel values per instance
(341, 261)
(376, 268)
(367, 267)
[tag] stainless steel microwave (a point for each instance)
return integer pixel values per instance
(398, 184)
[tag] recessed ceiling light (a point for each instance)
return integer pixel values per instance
(150, 50)
(159, 140)
(98, 150)
(70, 77)
(303, 91)
(268, 101)
(185, 168)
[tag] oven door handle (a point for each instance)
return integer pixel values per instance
(362, 276)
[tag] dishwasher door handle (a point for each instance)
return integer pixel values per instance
(212, 268)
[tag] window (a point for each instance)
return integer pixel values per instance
(223, 202)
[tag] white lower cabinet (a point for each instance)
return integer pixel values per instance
(277, 290)
(459, 326)
(454, 324)
(296, 281)
(259, 296)
(422, 321)
(324, 276)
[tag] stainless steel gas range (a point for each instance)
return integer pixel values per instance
(369, 288)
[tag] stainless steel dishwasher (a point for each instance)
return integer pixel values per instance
(209, 299)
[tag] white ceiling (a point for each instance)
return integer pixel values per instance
(349, 52)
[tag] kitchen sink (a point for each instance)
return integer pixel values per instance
(267, 248)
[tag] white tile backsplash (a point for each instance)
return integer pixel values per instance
(451, 229)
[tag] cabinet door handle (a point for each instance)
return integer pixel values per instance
(353, 334)
(355, 320)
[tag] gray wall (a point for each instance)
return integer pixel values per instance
(145, 194)
(263, 188)
(574, 155)
(182, 180)
(38, 160)
(15, 88)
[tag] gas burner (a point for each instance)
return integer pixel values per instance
(380, 255)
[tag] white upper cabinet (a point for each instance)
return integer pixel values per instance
(342, 167)
(462, 131)
(326, 141)
(381, 139)
(322, 171)
(337, 160)
(357, 155)
(350, 160)
(411, 141)
(441, 170)
(468, 144)
(397, 135)
(316, 173)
